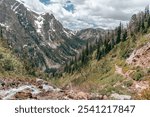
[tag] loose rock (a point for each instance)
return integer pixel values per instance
(120, 97)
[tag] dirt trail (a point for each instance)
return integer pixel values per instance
(120, 71)
(137, 86)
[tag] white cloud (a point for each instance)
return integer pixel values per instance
(91, 13)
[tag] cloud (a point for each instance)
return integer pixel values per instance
(90, 13)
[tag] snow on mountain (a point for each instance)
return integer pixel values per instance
(37, 7)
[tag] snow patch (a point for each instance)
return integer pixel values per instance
(4, 25)
(33, 7)
(51, 25)
(68, 33)
(25, 46)
(52, 44)
(14, 7)
(39, 24)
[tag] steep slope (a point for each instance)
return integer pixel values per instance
(9, 63)
(39, 37)
(91, 34)
(113, 74)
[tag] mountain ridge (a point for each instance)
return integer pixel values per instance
(87, 64)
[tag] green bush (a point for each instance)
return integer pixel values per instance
(128, 83)
(8, 65)
(1, 56)
(138, 75)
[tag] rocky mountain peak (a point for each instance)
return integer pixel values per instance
(42, 38)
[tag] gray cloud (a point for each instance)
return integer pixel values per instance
(93, 13)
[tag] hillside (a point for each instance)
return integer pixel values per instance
(9, 63)
(41, 59)
(114, 73)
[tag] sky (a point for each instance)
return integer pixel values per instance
(81, 14)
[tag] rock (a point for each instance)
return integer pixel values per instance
(140, 56)
(39, 81)
(94, 96)
(48, 88)
(2, 83)
(120, 97)
(23, 95)
(58, 90)
(105, 97)
(82, 95)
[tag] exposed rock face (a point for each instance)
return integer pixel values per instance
(140, 57)
(91, 34)
(38, 37)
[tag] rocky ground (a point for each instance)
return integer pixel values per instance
(38, 89)
(140, 57)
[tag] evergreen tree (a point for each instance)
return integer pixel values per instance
(87, 49)
(124, 35)
(118, 34)
(143, 25)
(148, 24)
(98, 51)
(1, 32)
(83, 57)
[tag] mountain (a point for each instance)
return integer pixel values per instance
(119, 67)
(86, 64)
(39, 38)
(91, 34)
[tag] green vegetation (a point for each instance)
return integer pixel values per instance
(9, 64)
(99, 74)
(138, 75)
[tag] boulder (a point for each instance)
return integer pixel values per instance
(48, 88)
(82, 95)
(39, 81)
(23, 95)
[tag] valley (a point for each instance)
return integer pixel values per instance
(41, 59)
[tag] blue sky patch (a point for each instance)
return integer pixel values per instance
(69, 6)
(45, 1)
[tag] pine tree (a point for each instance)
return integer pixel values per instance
(98, 51)
(83, 57)
(143, 25)
(1, 32)
(118, 34)
(124, 35)
(87, 48)
(148, 25)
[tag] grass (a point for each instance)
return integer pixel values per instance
(9, 63)
(100, 76)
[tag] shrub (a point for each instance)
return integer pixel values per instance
(128, 83)
(8, 65)
(1, 56)
(138, 75)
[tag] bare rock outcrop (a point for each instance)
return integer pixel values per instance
(140, 57)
